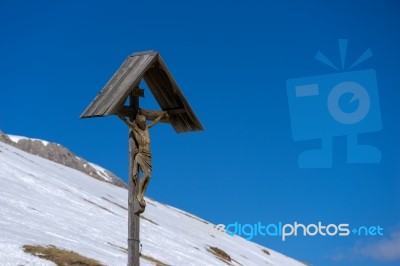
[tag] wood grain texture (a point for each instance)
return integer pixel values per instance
(133, 205)
(151, 114)
(149, 66)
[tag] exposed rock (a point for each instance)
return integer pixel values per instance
(4, 138)
(59, 154)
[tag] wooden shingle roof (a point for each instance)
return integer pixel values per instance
(149, 66)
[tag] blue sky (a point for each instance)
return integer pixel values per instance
(231, 59)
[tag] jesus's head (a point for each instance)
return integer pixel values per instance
(141, 121)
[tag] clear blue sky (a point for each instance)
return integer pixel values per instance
(231, 60)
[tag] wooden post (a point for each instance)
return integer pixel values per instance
(110, 101)
(133, 205)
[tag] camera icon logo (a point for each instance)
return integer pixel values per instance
(338, 104)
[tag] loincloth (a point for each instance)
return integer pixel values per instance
(143, 158)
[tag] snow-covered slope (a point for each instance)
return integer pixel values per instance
(59, 154)
(42, 202)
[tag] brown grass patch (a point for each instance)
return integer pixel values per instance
(112, 202)
(125, 250)
(33, 209)
(60, 257)
(101, 207)
(265, 251)
(193, 217)
(156, 261)
(220, 254)
(147, 219)
(150, 203)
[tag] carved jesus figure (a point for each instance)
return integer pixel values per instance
(143, 154)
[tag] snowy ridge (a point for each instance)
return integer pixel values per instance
(59, 154)
(42, 202)
(16, 139)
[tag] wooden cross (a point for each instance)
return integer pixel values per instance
(110, 101)
(134, 209)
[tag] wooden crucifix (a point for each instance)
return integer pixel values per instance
(142, 153)
(122, 86)
(139, 159)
